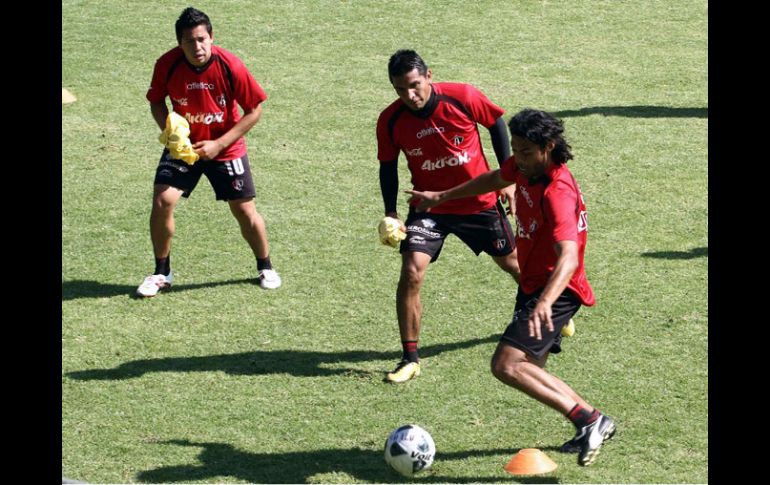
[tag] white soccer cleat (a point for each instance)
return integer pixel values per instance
(269, 279)
(153, 284)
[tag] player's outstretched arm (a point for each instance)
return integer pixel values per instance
(486, 182)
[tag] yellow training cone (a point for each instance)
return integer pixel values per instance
(530, 461)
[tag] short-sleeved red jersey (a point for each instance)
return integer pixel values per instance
(207, 96)
(548, 210)
(442, 149)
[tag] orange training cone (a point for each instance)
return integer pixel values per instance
(530, 461)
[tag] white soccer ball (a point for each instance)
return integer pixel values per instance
(409, 450)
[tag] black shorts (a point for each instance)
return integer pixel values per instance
(230, 180)
(517, 332)
(488, 231)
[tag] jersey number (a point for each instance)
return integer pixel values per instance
(235, 167)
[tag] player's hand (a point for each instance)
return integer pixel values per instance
(507, 195)
(425, 200)
(540, 315)
(207, 149)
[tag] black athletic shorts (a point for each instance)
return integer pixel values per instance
(487, 231)
(517, 332)
(230, 180)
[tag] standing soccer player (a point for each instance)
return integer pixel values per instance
(550, 240)
(435, 126)
(205, 84)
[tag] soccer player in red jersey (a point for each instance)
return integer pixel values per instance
(435, 125)
(552, 226)
(205, 84)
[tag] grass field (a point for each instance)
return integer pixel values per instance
(220, 381)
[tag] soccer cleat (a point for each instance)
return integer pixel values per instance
(268, 279)
(153, 284)
(573, 445)
(591, 437)
(404, 371)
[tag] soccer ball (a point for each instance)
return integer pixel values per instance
(409, 449)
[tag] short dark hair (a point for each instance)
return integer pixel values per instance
(191, 18)
(403, 61)
(540, 127)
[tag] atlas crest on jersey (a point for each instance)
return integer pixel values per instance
(221, 100)
(457, 140)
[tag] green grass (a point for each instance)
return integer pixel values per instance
(219, 381)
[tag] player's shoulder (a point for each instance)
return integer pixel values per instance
(456, 90)
(561, 172)
(390, 110)
(561, 179)
(170, 56)
(223, 53)
(226, 55)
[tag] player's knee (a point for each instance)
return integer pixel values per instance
(246, 212)
(513, 266)
(163, 204)
(506, 370)
(411, 277)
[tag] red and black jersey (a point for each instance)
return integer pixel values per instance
(441, 142)
(548, 210)
(206, 96)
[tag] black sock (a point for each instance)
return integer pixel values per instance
(264, 263)
(163, 265)
(410, 350)
(581, 416)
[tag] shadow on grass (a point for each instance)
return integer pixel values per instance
(223, 460)
(295, 362)
(691, 254)
(636, 112)
(72, 290)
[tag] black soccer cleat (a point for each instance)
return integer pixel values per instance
(573, 445)
(589, 440)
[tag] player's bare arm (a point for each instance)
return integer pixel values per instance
(209, 149)
(159, 113)
(486, 182)
(566, 264)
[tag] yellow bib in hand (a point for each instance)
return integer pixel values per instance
(176, 137)
(390, 232)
